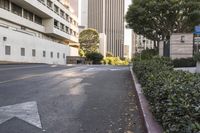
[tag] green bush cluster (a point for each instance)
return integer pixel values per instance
(184, 62)
(114, 61)
(174, 96)
(197, 56)
(146, 54)
(95, 57)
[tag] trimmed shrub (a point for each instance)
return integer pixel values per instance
(115, 61)
(184, 62)
(174, 96)
(197, 57)
(146, 54)
(95, 57)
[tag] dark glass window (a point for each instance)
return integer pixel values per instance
(7, 50)
(44, 53)
(62, 26)
(28, 15)
(67, 29)
(33, 52)
(62, 14)
(67, 17)
(49, 4)
(16, 9)
(4, 4)
(56, 23)
(22, 51)
(38, 20)
(51, 54)
(58, 55)
(56, 9)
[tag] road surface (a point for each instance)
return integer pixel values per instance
(63, 99)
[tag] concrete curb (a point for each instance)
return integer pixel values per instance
(150, 124)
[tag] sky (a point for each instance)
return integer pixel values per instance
(128, 32)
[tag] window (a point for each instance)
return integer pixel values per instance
(70, 32)
(7, 50)
(67, 17)
(67, 29)
(58, 55)
(56, 23)
(16, 9)
(22, 51)
(44, 53)
(4, 4)
(62, 27)
(62, 14)
(49, 4)
(64, 55)
(42, 1)
(33, 52)
(51, 54)
(56, 9)
(74, 33)
(38, 20)
(71, 20)
(28, 15)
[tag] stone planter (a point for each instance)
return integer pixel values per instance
(198, 67)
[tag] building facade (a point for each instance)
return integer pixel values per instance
(37, 31)
(106, 16)
(141, 43)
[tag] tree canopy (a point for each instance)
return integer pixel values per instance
(89, 40)
(158, 19)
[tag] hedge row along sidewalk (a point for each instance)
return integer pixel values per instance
(173, 96)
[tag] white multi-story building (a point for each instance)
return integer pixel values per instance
(141, 43)
(107, 17)
(37, 31)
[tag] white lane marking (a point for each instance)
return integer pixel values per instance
(16, 68)
(27, 111)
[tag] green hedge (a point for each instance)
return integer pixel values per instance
(95, 57)
(174, 96)
(115, 61)
(146, 54)
(184, 62)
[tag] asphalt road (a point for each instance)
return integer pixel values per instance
(62, 99)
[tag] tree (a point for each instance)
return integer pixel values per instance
(95, 57)
(89, 40)
(158, 19)
(81, 53)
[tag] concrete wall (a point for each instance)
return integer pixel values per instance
(161, 46)
(73, 51)
(17, 40)
(181, 49)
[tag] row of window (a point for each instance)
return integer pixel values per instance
(23, 52)
(64, 28)
(5, 4)
(58, 11)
